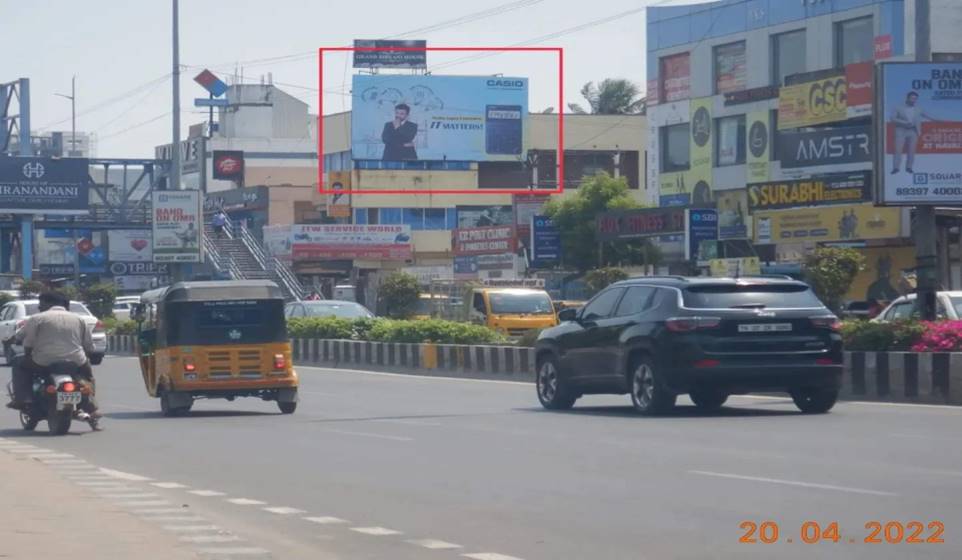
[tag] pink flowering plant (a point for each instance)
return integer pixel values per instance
(942, 336)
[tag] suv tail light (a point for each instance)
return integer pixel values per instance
(829, 322)
(689, 324)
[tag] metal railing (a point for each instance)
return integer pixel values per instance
(221, 264)
(267, 262)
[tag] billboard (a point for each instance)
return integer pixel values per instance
(229, 165)
(830, 146)
(332, 241)
(57, 251)
(732, 268)
(759, 143)
(339, 204)
(484, 240)
(484, 216)
(922, 134)
(734, 222)
(693, 186)
(702, 231)
(277, 242)
(130, 245)
(813, 102)
(644, 222)
(177, 226)
(44, 186)
(675, 78)
(545, 242)
(831, 223)
(390, 53)
(837, 188)
(435, 118)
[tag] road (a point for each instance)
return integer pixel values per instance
(381, 466)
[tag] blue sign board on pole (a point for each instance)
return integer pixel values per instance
(211, 102)
(545, 242)
(702, 226)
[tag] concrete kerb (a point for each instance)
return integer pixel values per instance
(930, 378)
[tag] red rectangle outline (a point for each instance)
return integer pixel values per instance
(320, 123)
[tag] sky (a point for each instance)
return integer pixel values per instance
(120, 52)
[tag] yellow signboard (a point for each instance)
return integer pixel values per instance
(730, 268)
(759, 145)
(734, 221)
(849, 222)
(809, 103)
(885, 276)
(701, 151)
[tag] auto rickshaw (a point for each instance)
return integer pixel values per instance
(215, 340)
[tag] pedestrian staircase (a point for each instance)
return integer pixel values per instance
(235, 253)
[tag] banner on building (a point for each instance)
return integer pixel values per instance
(734, 221)
(390, 53)
(885, 275)
(236, 200)
(757, 152)
(177, 226)
(702, 233)
(277, 242)
(922, 131)
(130, 245)
(643, 222)
(814, 102)
(58, 249)
(138, 269)
(339, 204)
(484, 216)
(484, 240)
(829, 146)
(675, 76)
(545, 242)
(701, 151)
(229, 165)
(31, 185)
(733, 268)
(859, 95)
(335, 241)
(466, 118)
(192, 154)
(837, 188)
(525, 208)
(830, 223)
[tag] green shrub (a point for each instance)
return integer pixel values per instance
(116, 326)
(5, 298)
(866, 336)
(30, 289)
(319, 327)
(528, 339)
(433, 330)
(601, 278)
(399, 294)
(99, 298)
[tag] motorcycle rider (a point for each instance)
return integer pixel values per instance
(54, 335)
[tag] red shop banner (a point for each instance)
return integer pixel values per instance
(484, 240)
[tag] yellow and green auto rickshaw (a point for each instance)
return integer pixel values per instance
(215, 340)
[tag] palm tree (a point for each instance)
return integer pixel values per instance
(611, 97)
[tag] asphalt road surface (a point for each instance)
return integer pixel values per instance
(380, 466)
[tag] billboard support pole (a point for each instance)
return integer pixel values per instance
(924, 229)
(26, 245)
(26, 149)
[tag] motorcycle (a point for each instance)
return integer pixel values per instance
(59, 397)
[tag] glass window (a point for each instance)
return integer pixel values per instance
(340, 309)
(452, 218)
(675, 146)
(373, 216)
(730, 141)
(533, 303)
(788, 55)
(854, 41)
(391, 216)
(724, 296)
(360, 216)
(900, 311)
(434, 218)
(635, 301)
(675, 78)
(602, 304)
(413, 217)
(957, 304)
(730, 67)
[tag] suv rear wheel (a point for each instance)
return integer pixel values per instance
(648, 393)
(553, 391)
(814, 401)
(708, 399)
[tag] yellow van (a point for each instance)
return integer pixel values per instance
(512, 311)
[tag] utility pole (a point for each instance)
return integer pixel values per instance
(175, 141)
(73, 114)
(924, 229)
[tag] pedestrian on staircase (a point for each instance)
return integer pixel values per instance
(219, 221)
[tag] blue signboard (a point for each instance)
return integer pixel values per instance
(211, 102)
(465, 264)
(545, 242)
(702, 226)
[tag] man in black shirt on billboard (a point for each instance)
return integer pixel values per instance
(398, 136)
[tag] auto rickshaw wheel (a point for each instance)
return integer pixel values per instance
(167, 409)
(287, 407)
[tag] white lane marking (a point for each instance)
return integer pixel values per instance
(376, 531)
(434, 544)
(25, 450)
(233, 551)
(206, 493)
(415, 376)
(176, 519)
(325, 520)
(89, 477)
(57, 456)
(67, 463)
(246, 502)
(209, 539)
(284, 510)
(191, 528)
(128, 496)
(147, 503)
(160, 511)
(489, 556)
(370, 435)
(407, 422)
(795, 483)
(124, 476)
(168, 485)
(96, 483)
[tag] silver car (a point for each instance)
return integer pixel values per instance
(948, 306)
(15, 314)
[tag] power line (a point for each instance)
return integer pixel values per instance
(138, 125)
(116, 99)
(133, 106)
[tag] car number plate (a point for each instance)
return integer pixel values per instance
(64, 399)
(765, 327)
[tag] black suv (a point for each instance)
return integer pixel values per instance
(659, 337)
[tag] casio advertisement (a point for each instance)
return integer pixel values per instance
(833, 146)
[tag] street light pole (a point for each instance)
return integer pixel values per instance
(73, 113)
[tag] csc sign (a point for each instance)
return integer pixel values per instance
(816, 102)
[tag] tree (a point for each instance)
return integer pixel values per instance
(575, 219)
(830, 271)
(399, 295)
(601, 278)
(100, 298)
(611, 97)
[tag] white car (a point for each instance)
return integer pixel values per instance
(123, 305)
(15, 314)
(948, 306)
